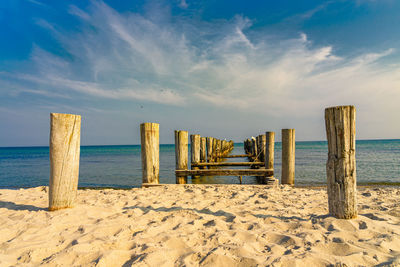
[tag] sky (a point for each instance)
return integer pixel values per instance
(227, 69)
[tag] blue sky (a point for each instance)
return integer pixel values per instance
(228, 69)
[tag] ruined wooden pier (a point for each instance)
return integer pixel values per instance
(207, 158)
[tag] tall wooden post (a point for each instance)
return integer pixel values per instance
(65, 135)
(269, 150)
(288, 156)
(150, 146)
(269, 156)
(219, 149)
(224, 147)
(195, 150)
(214, 149)
(209, 148)
(181, 154)
(203, 151)
(254, 147)
(262, 143)
(340, 125)
(247, 146)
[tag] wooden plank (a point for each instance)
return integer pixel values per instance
(233, 172)
(257, 163)
(238, 156)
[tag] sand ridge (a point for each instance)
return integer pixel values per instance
(199, 225)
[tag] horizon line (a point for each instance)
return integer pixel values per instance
(389, 139)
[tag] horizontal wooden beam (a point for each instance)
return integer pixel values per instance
(223, 172)
(258, 163)
(237, 156)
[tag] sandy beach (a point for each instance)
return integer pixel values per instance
(199, 225)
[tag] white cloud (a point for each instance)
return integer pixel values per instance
(183, 4)
(225, 63)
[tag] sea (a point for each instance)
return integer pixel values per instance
(378, 162)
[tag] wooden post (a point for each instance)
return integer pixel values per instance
(288, 156)
(269, 150)
(269, 156)
(203, 150)
(219, 148)
(262, 144)
(150, 146)
(65, 134)
(254, 147)
(214, 149)
(181, 154)
(340, 125)
(258, 147)
(247, 146)
(224, 147)
(209, 148)
(195, 150)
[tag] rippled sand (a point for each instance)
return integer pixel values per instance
(192, 225)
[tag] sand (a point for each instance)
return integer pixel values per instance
(199, 225)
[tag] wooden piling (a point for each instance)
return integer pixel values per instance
(65, 133)
(219, 149)
(288, 156)
(262, 143)
(181, 154)
(195, 149)
(150, 146)
(254, 147)
(224, 145)
(269, 156)
(269, 150)
(203, 151)
(341, 164)
(209, 144)
(214, 149)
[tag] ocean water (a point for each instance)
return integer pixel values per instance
(378, 161)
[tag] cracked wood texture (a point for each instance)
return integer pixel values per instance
(341, 165)
(65, 134)
(181, 154)
(288, 156)
(149, 137)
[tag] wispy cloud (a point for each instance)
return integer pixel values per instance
(129, 56)
(37, 3)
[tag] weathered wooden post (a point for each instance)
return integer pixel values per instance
(214, 149)
(247, 146)
(150, 146)
(288, 156)
(209, 148)
(195, 150)
(254, 147)
(203, 150)
(269, 155)
(219, 149)
(224, 147)
(65, 136)
(181, 154)
(340, 123)
(261, 143)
